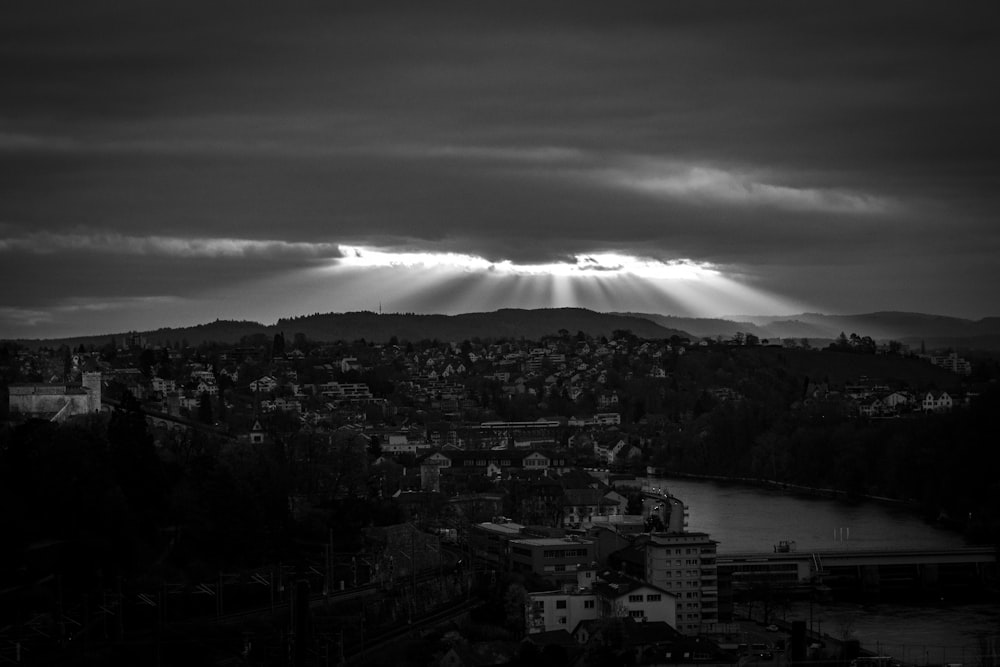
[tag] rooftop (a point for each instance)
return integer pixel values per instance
(551, 541)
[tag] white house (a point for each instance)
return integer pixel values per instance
(625, 597)
(608, 419)
(560, 610)
(264, 384)
(163, 387)
(937, 401)
(536, 461)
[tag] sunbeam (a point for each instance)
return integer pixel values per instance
(453, 283)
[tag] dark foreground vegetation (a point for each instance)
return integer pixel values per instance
(96, 505)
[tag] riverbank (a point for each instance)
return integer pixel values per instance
(936, 518)
(835, 494)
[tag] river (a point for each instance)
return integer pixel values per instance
(748, 518)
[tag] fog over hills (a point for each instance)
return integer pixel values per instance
(911, 328)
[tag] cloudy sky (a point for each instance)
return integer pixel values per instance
(173, 163)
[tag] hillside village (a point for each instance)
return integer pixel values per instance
(518, 460)
(431, 392)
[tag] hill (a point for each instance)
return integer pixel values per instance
(914, 329)
(507, 323)
(935, 331)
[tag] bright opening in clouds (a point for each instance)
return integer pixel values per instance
(422, 282)
(173, 162)
(605, 265)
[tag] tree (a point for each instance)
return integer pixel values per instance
(375, 447)
(147, 358)
(135, 464)
(515, 602)
(653, 524)
(634, 504)
(205, 408)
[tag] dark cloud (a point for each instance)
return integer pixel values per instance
(770, 138)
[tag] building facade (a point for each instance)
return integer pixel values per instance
(556, 558)
(56, 402)
(684, 564)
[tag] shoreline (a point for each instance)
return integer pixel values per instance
(916, 508)
(798, 488)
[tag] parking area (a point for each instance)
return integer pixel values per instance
(755, 643)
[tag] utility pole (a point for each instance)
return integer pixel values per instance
(329, 563)
(120, 621)
(811, 614)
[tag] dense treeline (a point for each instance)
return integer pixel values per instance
(946, 463)
(96, 503)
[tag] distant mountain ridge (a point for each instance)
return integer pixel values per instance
(911, 328)
(375, 327)
(935, 331)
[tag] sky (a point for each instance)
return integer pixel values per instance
(173, 163)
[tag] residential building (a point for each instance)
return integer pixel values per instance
(937, 401)
(581, 505)
(952, 362)
(264, 384)
(561, 609)
(488, 540)
(607, 419)
(626, 597)
(557, 558)
(684, 564)
(897, 400)
(162, 386)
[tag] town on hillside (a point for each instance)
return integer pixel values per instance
(290, 501)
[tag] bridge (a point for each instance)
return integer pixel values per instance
(865, 570)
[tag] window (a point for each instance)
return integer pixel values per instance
(637, 614)
(588, 604)
(653, 597)
(561, 620)
(635, 598)
(560, 604)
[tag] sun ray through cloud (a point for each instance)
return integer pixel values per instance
(599, 280)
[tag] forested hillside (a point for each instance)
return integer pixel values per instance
(772, 430)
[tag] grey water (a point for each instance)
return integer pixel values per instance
(747, 518)
(744, 518)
